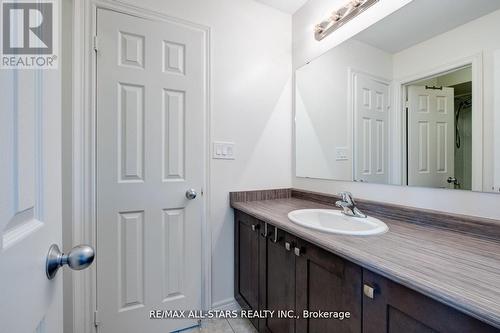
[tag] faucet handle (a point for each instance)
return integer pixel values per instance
(349, 205)
(347, 197)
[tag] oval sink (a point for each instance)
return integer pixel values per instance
(333, 221)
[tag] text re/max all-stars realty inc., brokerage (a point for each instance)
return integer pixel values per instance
(249, 314)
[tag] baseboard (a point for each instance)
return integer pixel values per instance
(226, 305)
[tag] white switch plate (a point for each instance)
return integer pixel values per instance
(341, 153)
(223, 150)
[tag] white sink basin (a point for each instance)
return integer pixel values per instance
(333, 221)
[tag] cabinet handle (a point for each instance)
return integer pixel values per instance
(265, 234)
(288, 246)
(255, 227)
(298, 251)
(275, 238)
(369, 291)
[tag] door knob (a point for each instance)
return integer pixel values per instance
(191, 194)
(80, 257)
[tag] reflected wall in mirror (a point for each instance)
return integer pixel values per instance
(413, 100)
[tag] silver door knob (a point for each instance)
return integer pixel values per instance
(191, 194)
(80, 257)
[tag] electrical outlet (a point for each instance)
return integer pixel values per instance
(341, 154)
(223, 150)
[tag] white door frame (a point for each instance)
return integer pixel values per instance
(399, 150)
(84, 152)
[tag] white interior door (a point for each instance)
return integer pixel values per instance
(30, 200)
(150, 139)
(431, 136)
(371, 129)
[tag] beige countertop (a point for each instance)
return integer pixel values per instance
(460, 270)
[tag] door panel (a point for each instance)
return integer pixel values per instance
(277, 280)
(246, 259)
(371, 129)
(30, 199)
(430, 136)
(325, 282)
(150, 116)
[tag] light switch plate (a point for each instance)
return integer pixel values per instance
(341, 153)
(223, 150)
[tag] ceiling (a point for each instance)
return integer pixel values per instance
(423, 19)
(287, 6)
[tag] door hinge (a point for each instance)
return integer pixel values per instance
(96, 43)
(97, 320)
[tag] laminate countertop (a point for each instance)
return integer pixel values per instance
(460, 270)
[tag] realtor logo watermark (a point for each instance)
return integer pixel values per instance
(29, 34)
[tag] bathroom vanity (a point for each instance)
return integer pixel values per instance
(420, 276)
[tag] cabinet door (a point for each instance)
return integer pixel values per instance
(394, 308)
(277, 280)
(246, 261)
(327, 282)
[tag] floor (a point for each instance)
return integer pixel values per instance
(224, 326)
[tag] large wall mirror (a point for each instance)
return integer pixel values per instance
(413, 100)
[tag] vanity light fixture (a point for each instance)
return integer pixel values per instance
(341, 16)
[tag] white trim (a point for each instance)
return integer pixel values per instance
(476, 61)
(229, 304)
(496, 128)
(84, 152)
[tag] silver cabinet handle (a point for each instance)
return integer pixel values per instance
(255, 227)
(297, 251)
(288, 246)
(265, 233)
(275, 238)
(369, 291)
(80, 257)
(191, 194)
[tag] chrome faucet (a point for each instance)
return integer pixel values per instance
(348, 205)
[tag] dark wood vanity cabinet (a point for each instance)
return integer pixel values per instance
(275, 270)
(395, 308)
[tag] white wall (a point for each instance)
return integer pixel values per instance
(323, 113)
(305, 48)
(251, 105)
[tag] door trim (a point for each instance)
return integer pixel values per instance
(84, 151)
